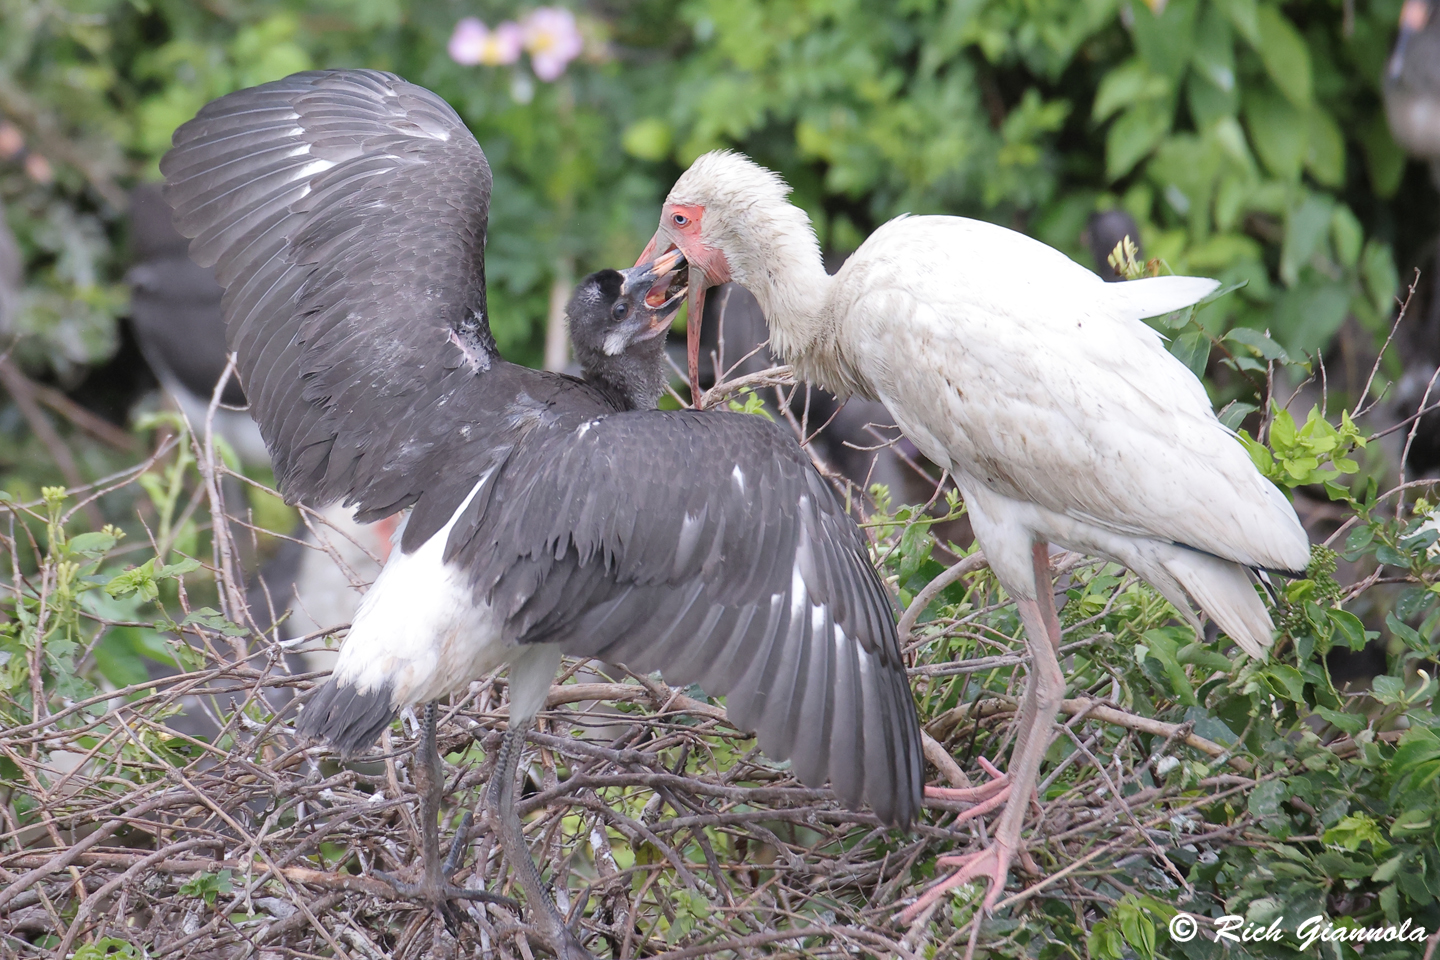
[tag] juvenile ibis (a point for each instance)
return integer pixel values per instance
(345, 212)
(1061, 416)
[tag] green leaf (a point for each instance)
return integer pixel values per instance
(1138, 131)
(1164, 646)
(1388, 689)
(915, 546)
(1235, 413)
(1193, 350)
(1419, 820)
(1346, 236)
(1279, 132)
(1391, 557)
(1200, 655)
(1305, 231)
(1348, 722)
(1417, 746)
(1325, 158)
(1377, 269)
(1357, 540)
(1348, 628)
(1138, 928)
(1407, 634)
(1353, 830)
(1265, 799)
(1285, 55)
(1244, 16)
(95, 544)
(1106, 942)
(144, 579)
(108, 948)
(1286, 681)
(1125, 85)
(1260, 343)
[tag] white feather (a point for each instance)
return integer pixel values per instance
(420, 628)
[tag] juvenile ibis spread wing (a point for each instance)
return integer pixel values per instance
(345, 214)
(746, 576)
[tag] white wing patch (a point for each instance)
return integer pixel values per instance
(739, 477)
(690, 529)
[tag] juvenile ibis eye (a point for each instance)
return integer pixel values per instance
(621, 309)
(680, 219)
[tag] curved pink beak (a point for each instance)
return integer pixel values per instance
(699, 283)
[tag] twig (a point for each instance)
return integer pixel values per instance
(781, 376)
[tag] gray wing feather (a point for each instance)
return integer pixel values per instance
(631, 538)
(344, 212)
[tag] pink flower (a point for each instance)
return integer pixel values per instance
(552, 39)
(473, 42)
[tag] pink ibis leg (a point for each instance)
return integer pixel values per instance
(1044, 691)
(999, 783)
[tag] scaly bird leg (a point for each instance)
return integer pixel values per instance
(435, 887)
(999, 783)
(1044, 691)
(551, 925)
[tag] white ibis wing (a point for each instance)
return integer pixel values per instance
(1040, 382)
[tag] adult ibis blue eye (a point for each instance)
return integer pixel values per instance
(620, 310)
(680, 219)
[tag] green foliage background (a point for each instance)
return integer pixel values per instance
(1246, 137)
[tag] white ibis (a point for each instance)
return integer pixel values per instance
(1061, 416)
(345, 212)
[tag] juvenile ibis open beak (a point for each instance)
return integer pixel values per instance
(699, 283)
(656, 290)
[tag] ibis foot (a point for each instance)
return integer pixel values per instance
(434, 887)
(991, 864)
(986, 797)
(999, 783)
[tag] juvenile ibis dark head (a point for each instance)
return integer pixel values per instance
(618, 320)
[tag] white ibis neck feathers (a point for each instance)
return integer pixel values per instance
(345, 212)
(1061, 416)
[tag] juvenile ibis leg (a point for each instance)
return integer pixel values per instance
(435, 887)
(546, 917)
(531, 670)
(1044, 692)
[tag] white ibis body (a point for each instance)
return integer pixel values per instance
(1061, 416)
(345, 212)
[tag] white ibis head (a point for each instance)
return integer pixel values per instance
(713, 215)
